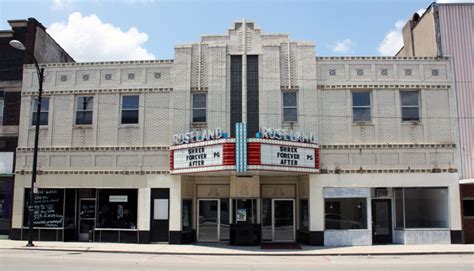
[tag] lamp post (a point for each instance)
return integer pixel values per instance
(40, 71)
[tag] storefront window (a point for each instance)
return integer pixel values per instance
(398, 193)
(304, 215)
(421, 208)
(187, 218)
(426, 207)
(117, 208)
(244, 211)
(345, 213)
(225, 224)
(48, 208)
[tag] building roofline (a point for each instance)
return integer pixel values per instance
(70, 64)
(381, 58)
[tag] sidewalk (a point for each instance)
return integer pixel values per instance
(223, 249)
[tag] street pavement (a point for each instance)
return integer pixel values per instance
(38, 260)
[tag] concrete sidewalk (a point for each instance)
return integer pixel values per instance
(223, 249)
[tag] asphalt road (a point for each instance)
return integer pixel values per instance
(72, 261)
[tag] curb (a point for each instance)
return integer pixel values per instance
(247, 254)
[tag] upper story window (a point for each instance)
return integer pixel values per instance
(410, 101)
(44, 111)
(130, 105)
(361, 106)
(290, 106)
(84, 110)
(199, 104)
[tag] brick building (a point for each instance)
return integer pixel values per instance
(31, 33)
(245, 137)
(446, 29)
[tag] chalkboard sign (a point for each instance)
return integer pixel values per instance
(49, 205)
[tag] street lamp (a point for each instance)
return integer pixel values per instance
(40, 71)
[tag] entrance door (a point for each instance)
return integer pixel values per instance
(278, 220)
(381, 221)
(86, 218)
(283, 220)
(208, 220)
(159, 224)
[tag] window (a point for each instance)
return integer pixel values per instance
(2, 105)
(345, 213)
(360, 72)
(468, 207)
(304, 215)
(108, 76)
(245, 211)
(44, 111)
(361, 106)
(199, 103)
(332, 72)
(410, 105)
(117, 208)
(422, 208)
(187, 216)
(290, 106)
(130, 105)
(84, 110)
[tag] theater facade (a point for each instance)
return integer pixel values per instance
(243, 138)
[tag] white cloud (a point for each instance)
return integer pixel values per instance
(421, 11)
(343, 46)
(87, 38)
(393, 40)
(61, 4)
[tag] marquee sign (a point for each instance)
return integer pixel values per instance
(277, 155)
(206, 156)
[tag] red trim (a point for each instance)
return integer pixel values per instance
(171, 159)
(316, 155)
(254, 153)
(228, 154)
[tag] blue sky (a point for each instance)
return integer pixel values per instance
(140, 29)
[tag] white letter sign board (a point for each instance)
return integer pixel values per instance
(198, 157)
(287, 156)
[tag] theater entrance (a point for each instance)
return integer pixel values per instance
(278, 220)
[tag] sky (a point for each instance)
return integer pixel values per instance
(106, 30)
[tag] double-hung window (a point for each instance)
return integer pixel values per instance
(361, 106)
(44, 111)
(199, 103)
(84, 110)
(410, 101)
(130, 104)
(290, 106)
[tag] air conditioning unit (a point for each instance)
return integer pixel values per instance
(383, 192)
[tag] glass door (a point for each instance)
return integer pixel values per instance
(86, 218)
(283, 220)
(381, 221)
(208, 220)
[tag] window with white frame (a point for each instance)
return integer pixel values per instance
(290, 106)
(130, 104)
(84, 110)
(44, 111)
(199, 107)
(361, 111)
(410, 101)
